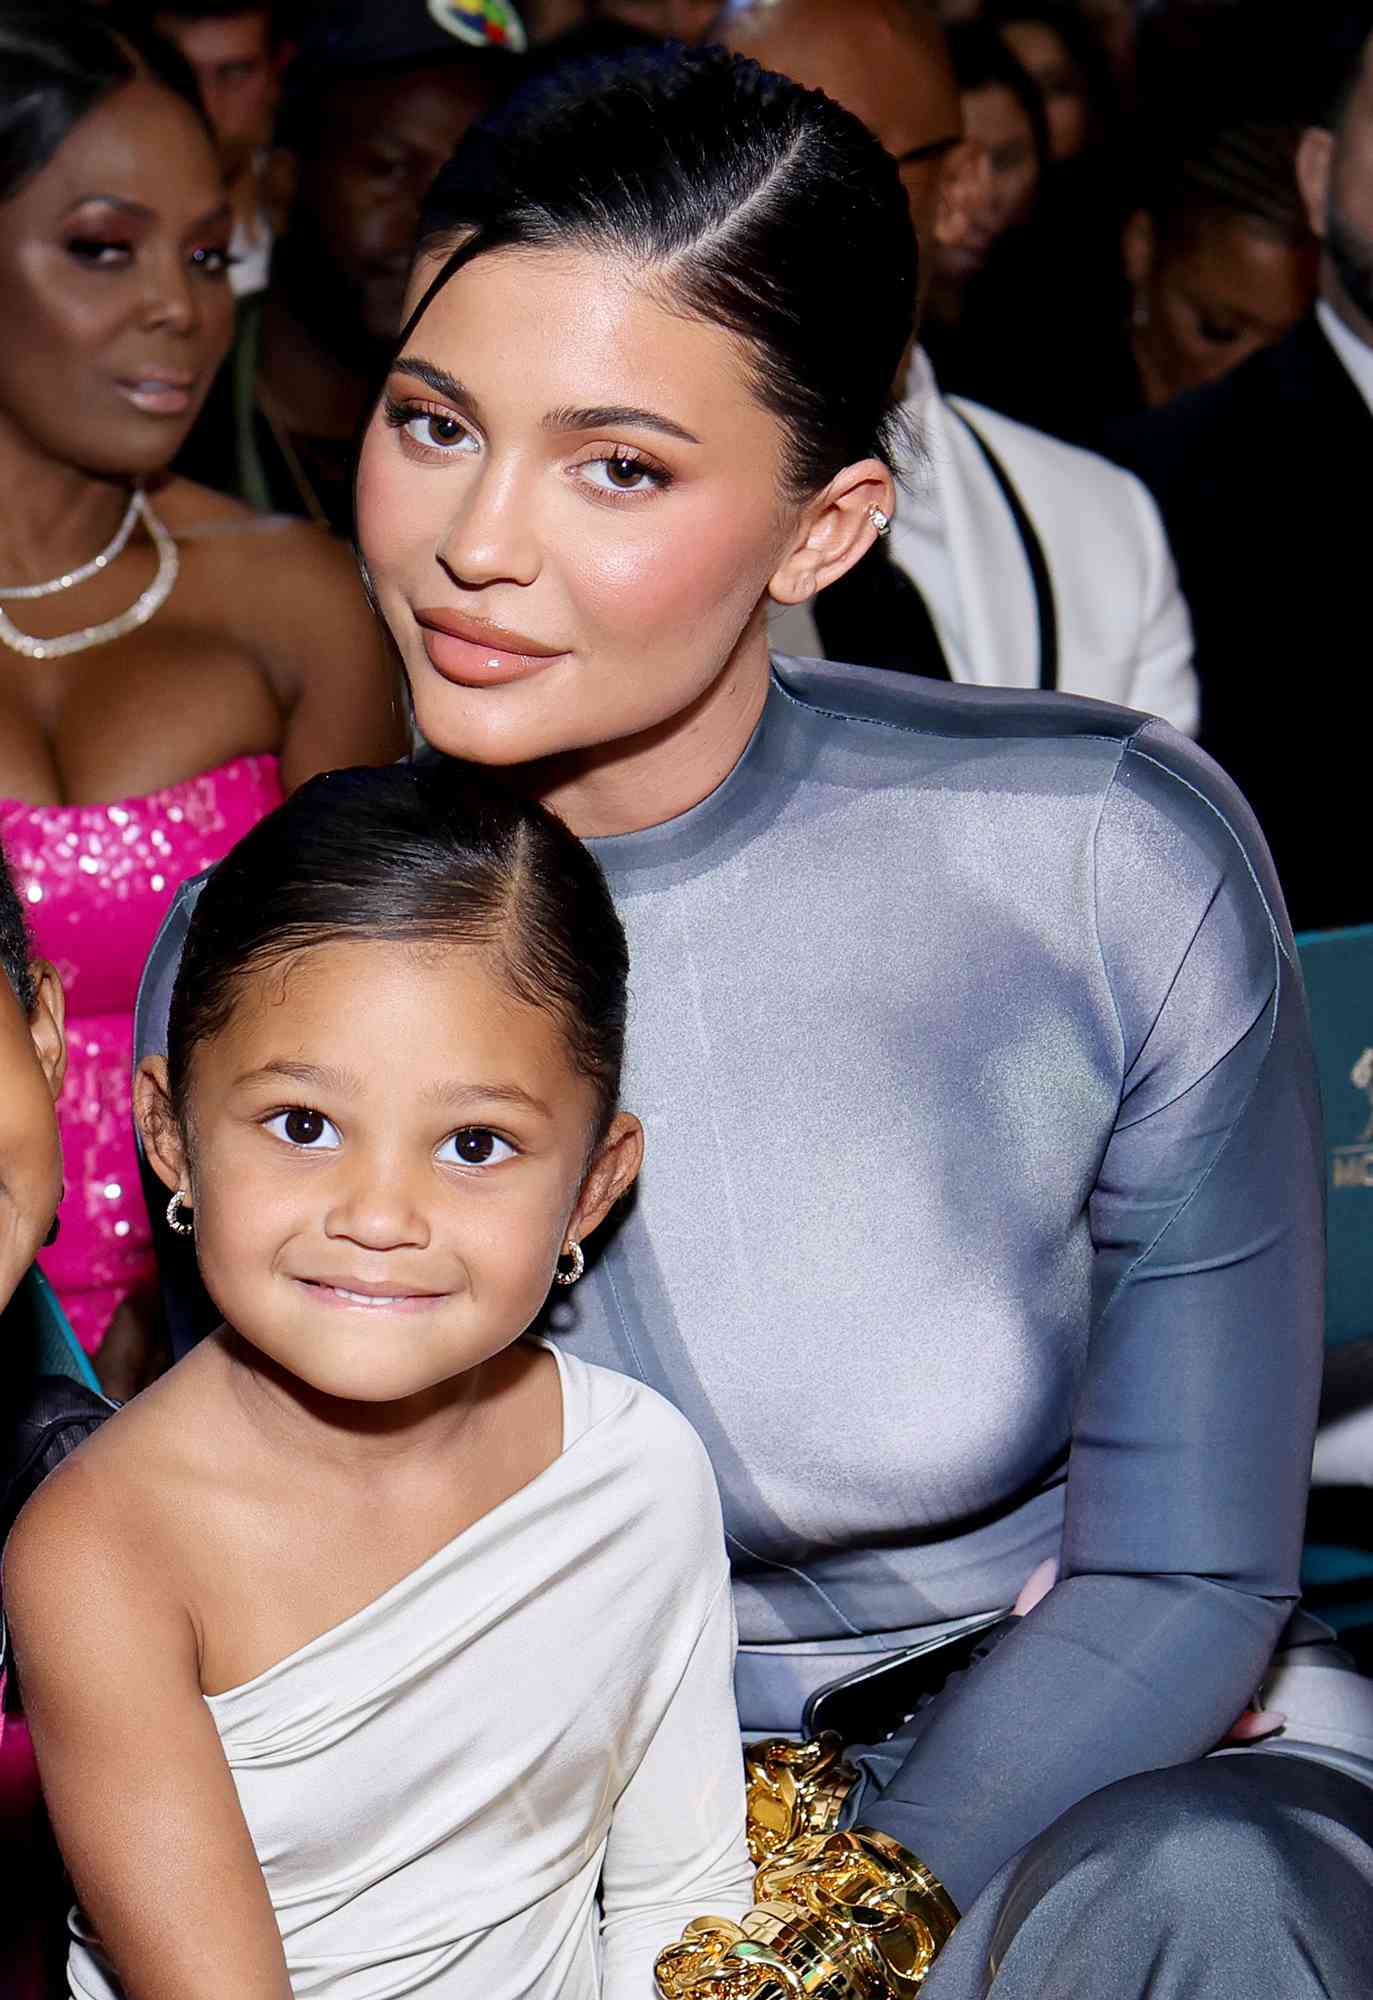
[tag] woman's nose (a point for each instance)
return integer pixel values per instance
(490, 537)
(170, 300)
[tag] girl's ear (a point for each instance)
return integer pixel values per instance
(47, 1024)
(160, 1133)
(835, 529)
(612, 1172)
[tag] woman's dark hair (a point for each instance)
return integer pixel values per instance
(1247, 170)
(57, 62)
(982, 61)
(1081, 44)
(16, 948)
(423, 853)
(748, 202)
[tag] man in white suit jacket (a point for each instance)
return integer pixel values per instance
(1035, 564)
(1074, 588)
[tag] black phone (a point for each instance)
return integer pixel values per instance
(869, 1704)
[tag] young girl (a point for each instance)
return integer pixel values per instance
(376, 1651)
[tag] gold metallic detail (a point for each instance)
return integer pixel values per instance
(842, 1916)
(793, 1789)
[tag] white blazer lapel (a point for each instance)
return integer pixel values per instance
(1000, 638)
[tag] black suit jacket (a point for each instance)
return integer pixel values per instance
(1263, 480)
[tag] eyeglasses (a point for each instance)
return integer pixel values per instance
(934, 149)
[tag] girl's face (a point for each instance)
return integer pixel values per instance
(568, 503)
(114, 273)
(387, 1153)
(995, 118)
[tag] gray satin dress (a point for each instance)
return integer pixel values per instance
(981, 1222)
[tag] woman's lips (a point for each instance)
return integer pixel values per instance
(474, 655)
(159, 395)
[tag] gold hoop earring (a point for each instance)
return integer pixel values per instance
(576, 1264)
(174, 1221)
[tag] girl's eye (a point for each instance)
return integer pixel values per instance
(623, 473)
(475, 1146)
(305, 1128)
(98, 250)
(432, 430)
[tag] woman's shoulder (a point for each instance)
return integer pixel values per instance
(200, 517)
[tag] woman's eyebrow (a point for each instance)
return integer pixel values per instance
(436, 378)
(614, 416)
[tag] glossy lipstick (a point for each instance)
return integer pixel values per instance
(473, 652)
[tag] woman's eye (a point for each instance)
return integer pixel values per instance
(475, 1146)
(98, 250)
(212, 260)
(302, 1127)
(622, 473)
(432, 430)
(1217, 335)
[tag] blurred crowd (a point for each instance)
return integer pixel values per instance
(1139, 399)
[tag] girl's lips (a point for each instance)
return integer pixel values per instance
(477, 662)
(373, 1300)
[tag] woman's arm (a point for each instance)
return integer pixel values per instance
(1191, 1433)
(676, 1846)
(140, 1794)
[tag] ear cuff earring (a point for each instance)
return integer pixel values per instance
(576, 1265)
(174, 1220)
(880, 521)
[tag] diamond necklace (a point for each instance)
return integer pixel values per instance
(138, 613)
(70, 578)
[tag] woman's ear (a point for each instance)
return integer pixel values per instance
(157, 1126)
(1138, 244)
(835, 529)
(47, 1024)
(1315, 158)
(614, 1167)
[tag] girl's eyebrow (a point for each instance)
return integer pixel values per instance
(318, 1076)
(593, 417)
(455, 1093)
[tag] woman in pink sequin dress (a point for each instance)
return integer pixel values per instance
(170, 661)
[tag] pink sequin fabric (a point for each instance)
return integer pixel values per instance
(96, 881)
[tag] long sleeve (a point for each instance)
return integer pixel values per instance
(676, 1847)
(1196, 1397)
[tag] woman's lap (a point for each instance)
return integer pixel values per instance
(1220, 1880)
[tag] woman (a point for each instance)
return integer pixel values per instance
(174, 660)
(1218, 256)
(982, 1224)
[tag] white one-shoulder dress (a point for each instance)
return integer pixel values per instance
(516, 1772)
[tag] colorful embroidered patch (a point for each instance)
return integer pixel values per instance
(487, 24)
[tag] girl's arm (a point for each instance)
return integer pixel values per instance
(676, 1846)
(1196, 1398)
(140, 1794)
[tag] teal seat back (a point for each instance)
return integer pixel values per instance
(1338, 969)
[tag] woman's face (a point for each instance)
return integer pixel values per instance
(1206, 304)
(1042, 52)
(569, 506)
(113, 271)
(995, 118)
(32, 1064)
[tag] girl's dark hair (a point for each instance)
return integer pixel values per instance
(57, 62)
(982, 61)
(1081, 44)
(16, 947)
(422, 853)
(750, 203)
